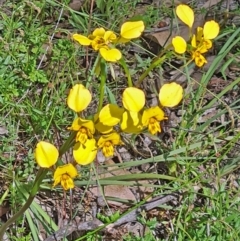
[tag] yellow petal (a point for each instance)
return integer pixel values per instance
(85, 154)
(135, 117)
(109, 36)
(103, 128)
(100, 126)
(79, 98)
(133, 99)
(64, 175)
(67, 182)
(185, 14)
(83, 40)
(122, 40)
(65, 169)
(110, 115)
(170, 94)
(111, 55)
(179, 44)
(99, 32)
(79, 122)
(130, 30)
(113, 137)
(152, 112)
(127, 124)
(46, 154)
(194, 41)
(210, 30)
(199, 35)
(199, 59)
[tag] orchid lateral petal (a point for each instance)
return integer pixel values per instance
(133, 99)
(103, 129)
(79, 98)
(81, 39)
(100, 126)
(179, 44)
(46, 154)
(110, 115)
(130, 30)
(127, 124)
(210, 30)
(111, 55)
(194, 41)
(185, 14)
(170, 94)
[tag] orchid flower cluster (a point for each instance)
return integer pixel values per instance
(102, 132)
(200, 42)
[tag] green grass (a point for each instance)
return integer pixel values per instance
(201, 161)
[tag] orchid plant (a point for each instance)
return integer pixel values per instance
(102, 130)
(200, 42)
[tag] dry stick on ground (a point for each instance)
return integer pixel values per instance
(129, 217)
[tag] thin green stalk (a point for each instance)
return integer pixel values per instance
(67, 144)
(123, 63)
(94, 72)
(154, 64)
(40, 175)
(102, 85)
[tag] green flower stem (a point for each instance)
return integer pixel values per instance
(40, 175)
(122, 62)
(68, 143)
(94, 72)
(155, 63)
(103, 77)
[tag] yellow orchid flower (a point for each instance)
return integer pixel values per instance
(127, 123)
(85, 129)
(170, 94)
(64, 175)
(85, 154)
(107, 143)
(101, 40)
(46, 154)
(201, 42)
(151, 118)
(79, 98)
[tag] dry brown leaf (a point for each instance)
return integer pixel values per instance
(119, 191)
(76, 4)
(163, 38)
(115, 191)
(3, 210)
(210, 3)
